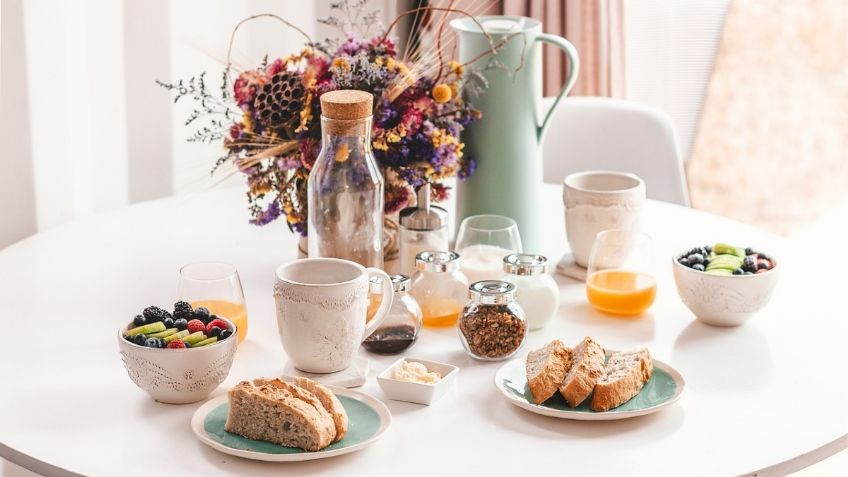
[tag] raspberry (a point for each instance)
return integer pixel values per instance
(219, 323)
(195, 325)
(176, 344)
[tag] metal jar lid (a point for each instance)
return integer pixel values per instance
(424, 216)
(434, 261)
(492, 292)
(525, 264)
(401, 283)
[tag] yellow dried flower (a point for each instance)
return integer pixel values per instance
(456, 67)
(442, 93)
(342, 153)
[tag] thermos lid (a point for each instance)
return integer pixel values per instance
(424, 216)
(346, 104)
(525, 264)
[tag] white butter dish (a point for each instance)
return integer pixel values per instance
(417, 392)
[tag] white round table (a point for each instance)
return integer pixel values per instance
(770, 394)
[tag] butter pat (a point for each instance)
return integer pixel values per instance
(413, 372)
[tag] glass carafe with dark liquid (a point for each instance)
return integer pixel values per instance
(401, 326)
(345, 187)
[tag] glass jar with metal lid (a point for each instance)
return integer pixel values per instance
(439, 287)
(422, 228)
(535, 290)
(492, 326)
(402, 324)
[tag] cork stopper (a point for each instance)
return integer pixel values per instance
(346, 104)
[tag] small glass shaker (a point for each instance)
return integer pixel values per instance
(492, 325)
(536, 291)
(402, 324)
(439, 287)
(422, 228)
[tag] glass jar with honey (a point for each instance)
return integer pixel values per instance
(439, 287)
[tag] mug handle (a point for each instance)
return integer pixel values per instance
(388, 296)
(573, 60)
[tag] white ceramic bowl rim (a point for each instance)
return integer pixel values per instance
(570, 181)
(202, 348)
(303, 262)
(771, 258)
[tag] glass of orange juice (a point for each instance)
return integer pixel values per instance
(215, 286)
(620, 279)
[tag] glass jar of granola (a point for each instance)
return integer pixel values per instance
(492, 325)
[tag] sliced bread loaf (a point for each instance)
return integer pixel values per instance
(327, 423)
(331, 403)
(546, 368)
(587, 366)
(626, 373)
(268, 412)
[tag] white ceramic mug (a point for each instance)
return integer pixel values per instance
(596, 201)
(321, 307)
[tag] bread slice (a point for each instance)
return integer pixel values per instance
(328, 423)
(331, 403)
(264, 411)
(587, 366)
(626, 374)
(546, 369)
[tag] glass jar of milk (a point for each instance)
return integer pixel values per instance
(483, 241)
(536, 291)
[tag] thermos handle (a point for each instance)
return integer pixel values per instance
(573, 62)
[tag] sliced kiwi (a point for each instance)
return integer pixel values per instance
(205, 342)
(163, 334)
(176, 336)
(147, 329)
(194, 338)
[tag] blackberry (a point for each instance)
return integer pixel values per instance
(152, 314)
(203, 315)
(182, 310)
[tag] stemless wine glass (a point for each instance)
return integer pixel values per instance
(620, 279)
(217, 287)
(482, 243)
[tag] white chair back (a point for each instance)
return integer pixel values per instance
(593, 133)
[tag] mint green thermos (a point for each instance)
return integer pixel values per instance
(507, 141)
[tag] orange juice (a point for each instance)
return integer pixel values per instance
(440, 312)
(374, 301)
(235, 312)
(621, 292)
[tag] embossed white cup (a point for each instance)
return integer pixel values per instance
(321, 307)
(596, 201)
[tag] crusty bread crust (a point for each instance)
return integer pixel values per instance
(327, 424)
(264, 410)
(586, 368)
(546, 369)
(331, 403)
(618, 389)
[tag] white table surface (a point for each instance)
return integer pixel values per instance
(757, 395)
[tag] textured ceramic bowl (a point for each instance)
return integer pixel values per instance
(416, 392)
(724, 300)
(178, 376)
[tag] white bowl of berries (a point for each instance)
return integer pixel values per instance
(724, 285)
(178, 357)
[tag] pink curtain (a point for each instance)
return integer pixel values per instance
(595, 27)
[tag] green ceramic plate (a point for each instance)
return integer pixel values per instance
(662, 390)
(368, 419)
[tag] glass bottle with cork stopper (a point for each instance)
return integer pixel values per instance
(345, 186)
(422, 228)
(439, 287)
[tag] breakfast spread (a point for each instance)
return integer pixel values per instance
(724, 259)
(302, 414)
(184, 328)
(414, 372)
(580, 372)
